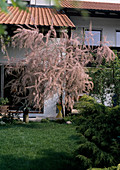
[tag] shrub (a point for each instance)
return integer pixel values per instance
(99, 141)
(88, 106)
(45, 120)
(60, 121)
(3, 101)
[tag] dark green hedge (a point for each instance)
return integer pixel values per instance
(99, 134)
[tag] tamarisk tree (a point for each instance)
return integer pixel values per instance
(51, 66)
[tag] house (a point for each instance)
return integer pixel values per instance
(105, 19)
(41, 14)
(74, 16)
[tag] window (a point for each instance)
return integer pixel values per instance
(117, 38)
(92, 37)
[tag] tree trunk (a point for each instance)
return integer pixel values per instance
(26, 116)
(63, 108)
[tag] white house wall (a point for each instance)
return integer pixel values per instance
(43, 2)
(9, 1)
(50, 106)
(108, 1)
(39, 2)
(12, 52)
(108, 26)
(32, 2)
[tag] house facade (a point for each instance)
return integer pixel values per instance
(74, 16)
(104, 17)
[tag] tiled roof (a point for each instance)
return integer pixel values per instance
(36, 16)
(90, 5)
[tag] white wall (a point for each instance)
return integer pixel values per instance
(107, 25)
(12, 52)
(9, 1)
(50, 106)
(45, 2)
(42, 2)
(39, 2)
(32, 2)
(109, 1)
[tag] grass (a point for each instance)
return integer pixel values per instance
(37, 146)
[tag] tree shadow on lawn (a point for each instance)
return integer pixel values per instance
(51, 160)
(32, 125)
(21, 124)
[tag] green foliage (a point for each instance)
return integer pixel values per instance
(88, 106)
(116, 79)
(118, 167)
(19, 3)
(45, 120)
(4, 101)
(102, 79)
(106, 79)
(2, 30)
(3, 5)
(60, 121)
(87, 98)
(99, 134)
(15, 3)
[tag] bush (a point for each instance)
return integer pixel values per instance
(99, 131)
(4, 101)
(88, 106)
(45, 120)
(60, 121)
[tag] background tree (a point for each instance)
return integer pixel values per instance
(52, 66)
(106, 80)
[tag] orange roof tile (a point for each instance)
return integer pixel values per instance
(35, 16)
(90, 5)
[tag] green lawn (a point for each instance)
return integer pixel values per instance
(38, 146)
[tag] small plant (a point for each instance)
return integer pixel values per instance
(45, 120)
(88, 105)
(59, 103)
(60, 121)
(2, 123)
(4, 101)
